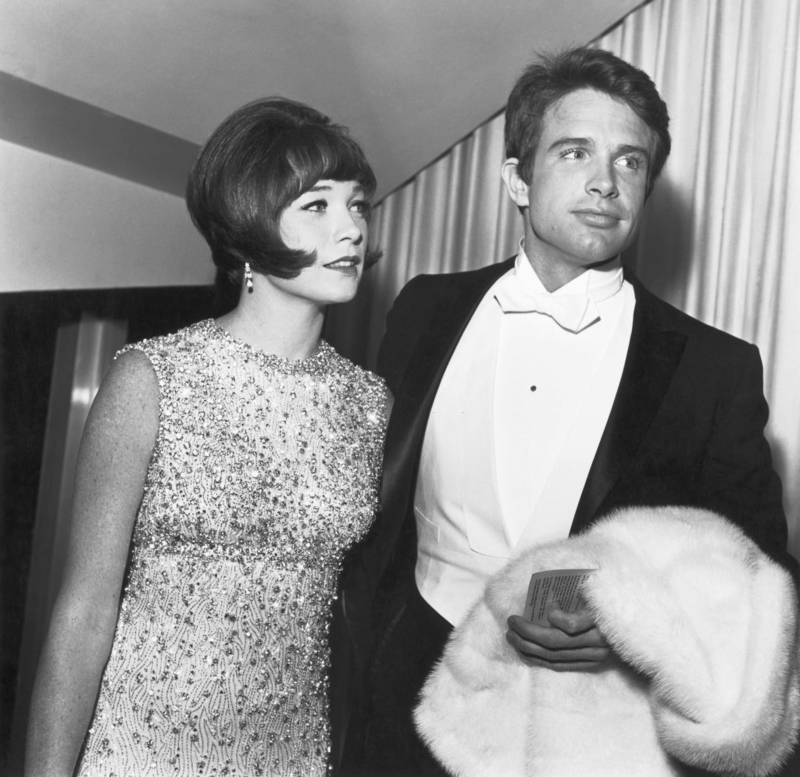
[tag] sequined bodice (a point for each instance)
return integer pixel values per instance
(264, 472)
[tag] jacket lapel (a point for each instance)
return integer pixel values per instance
(448, 323)
(420, 382)
(653, 357)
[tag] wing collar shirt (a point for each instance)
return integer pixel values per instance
(553, 390)
(515, 425)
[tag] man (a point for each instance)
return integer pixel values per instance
(536, 395)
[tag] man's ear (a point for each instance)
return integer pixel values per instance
(516, 187)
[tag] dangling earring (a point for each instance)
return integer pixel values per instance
(248, 277)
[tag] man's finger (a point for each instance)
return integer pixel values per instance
(555, 638)
(572, 622)
(572, 657)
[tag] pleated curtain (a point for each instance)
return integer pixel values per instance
(721, 233)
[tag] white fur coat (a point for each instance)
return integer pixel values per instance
(704, 626)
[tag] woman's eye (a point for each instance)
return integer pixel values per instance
(317, 206)
(361, 206)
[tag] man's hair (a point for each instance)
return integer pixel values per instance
(554, 76)
(257, 162)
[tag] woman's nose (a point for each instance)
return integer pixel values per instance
(350, 225)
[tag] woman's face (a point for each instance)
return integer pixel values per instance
(331, 219)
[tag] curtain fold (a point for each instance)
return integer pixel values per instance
(721, 233)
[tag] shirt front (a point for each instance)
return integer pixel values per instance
(502, 465)
(544, 376)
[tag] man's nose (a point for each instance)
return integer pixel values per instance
(603, 180)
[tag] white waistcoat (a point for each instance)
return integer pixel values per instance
(462, 537)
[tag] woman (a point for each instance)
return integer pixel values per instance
(224, 471)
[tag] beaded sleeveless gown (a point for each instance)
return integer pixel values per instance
(264, 472)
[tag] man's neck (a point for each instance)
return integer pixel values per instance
(553, 276)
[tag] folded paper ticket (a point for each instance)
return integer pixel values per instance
(562, 586)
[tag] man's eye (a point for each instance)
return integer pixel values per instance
(631, 162)
(574, 153)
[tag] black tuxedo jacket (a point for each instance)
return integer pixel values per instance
(686, 427)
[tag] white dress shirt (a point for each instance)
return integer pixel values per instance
(502, 466)
(543, 378)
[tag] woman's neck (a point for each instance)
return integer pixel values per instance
(291, 331)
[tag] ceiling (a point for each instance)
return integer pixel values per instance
(409, 77)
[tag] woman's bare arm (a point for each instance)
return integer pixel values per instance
(115, 451)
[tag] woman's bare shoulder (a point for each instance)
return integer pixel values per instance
(127, 403)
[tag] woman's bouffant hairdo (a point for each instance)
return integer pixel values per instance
(554, 76)
(257, 162)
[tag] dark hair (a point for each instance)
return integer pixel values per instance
(258, 161)
(554, 76)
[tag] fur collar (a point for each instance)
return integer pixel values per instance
(704, 628)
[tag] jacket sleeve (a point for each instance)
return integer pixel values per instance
(737, 477)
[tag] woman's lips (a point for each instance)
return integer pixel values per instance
(347, 264)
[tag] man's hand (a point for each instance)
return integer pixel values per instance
(572, 642)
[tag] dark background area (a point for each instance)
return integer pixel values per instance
(29, 324)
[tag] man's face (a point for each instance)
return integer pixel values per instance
(588, 186)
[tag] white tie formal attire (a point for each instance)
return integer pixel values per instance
(515, 425)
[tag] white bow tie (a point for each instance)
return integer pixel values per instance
(572, 312)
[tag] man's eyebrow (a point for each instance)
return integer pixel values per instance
(561, 142)
(630, 149)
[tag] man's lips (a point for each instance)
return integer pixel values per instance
(597, 218)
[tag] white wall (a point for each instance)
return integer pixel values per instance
(64, 226)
